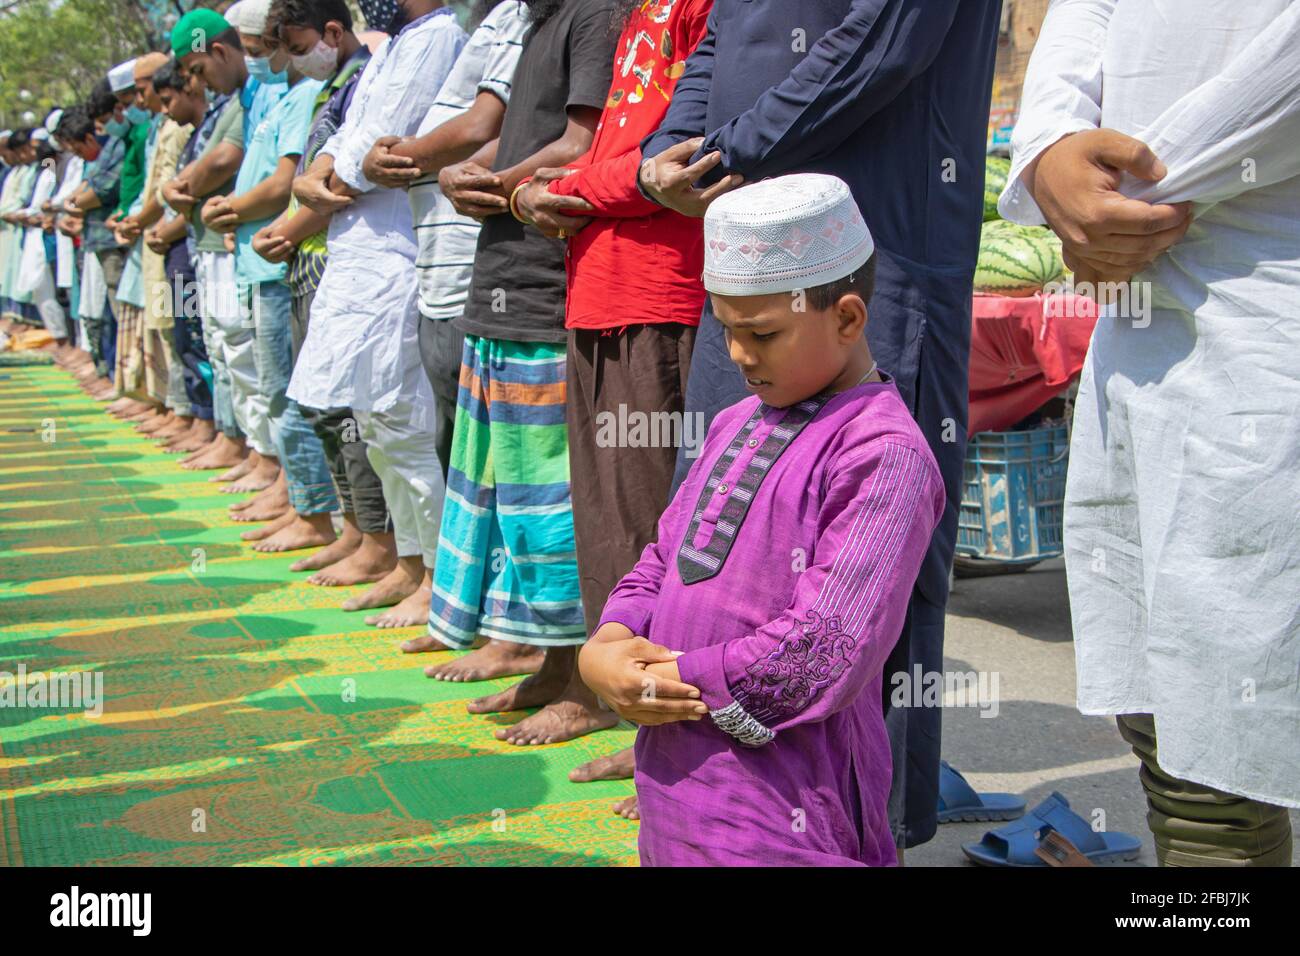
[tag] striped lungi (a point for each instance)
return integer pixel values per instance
(157, 365)
(129, 373)
(506, 565)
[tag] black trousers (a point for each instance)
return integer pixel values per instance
(187, 336)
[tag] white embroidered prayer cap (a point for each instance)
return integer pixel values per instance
(52, 121)
(249, 16)
(782, 234)
(122, 76)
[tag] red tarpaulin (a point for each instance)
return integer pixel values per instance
(1023, 352)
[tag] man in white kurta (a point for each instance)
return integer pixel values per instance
(1182, 513)
(362, 347)
(36, 278)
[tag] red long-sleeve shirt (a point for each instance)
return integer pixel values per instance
(637, 263)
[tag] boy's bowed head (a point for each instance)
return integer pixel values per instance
(790, 265)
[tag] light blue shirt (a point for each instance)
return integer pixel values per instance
(282, 131)
(257, 98)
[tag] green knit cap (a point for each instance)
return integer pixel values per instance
(194, 31)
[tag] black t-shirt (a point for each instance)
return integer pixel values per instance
(518, 289)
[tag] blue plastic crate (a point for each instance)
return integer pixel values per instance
(1013, 494)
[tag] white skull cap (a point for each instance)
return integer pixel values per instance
(783, 234)
(122, 76)
(249, 16)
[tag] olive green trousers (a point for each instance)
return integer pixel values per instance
(1194, 825)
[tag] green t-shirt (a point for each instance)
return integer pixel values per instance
(134, 169)
(229, 129)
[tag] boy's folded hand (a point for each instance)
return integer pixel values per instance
(618, 673)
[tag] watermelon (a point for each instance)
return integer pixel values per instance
(1017, 260)
(995, 180)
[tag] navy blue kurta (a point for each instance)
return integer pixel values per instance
(892, 96)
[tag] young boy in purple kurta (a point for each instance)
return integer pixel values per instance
(749, 640)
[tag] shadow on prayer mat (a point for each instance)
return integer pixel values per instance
(245, 718)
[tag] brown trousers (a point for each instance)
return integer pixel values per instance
(625, 396)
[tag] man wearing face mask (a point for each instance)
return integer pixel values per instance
(126, 297)
(386, 16)
(142, 364)
(318, 36)
(361, 349)
(212, 50)
(209, 51)
(98, 196)
(161, 368)
(183, 101)
(262, 191)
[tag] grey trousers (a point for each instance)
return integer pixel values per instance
(441, 345)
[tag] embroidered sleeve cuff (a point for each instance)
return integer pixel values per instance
(733, 720)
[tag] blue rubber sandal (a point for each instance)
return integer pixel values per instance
(1016, 843)
(958, 800)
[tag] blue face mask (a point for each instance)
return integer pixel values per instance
(136, 115)
(118, 128)
(259, 68)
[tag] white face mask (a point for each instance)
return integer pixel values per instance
(319, 63)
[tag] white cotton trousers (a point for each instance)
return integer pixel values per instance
(233, 342)
(52, 315)
(403, 449)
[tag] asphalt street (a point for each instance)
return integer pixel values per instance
(1017, 627)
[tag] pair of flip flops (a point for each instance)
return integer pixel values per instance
(1052, 834)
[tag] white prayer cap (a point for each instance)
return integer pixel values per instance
(40, 134)
(249, 16)
(122, 76)
(779, 235)
(52, 121)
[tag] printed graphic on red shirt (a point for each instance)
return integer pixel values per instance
(649, 61)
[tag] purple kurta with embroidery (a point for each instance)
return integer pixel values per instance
(783, 570)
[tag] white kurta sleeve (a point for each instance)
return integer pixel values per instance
(44, 189)
(70, 181)
(1237, 131)
(1061, 94)
(400, 95)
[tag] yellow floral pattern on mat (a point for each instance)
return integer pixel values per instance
(246, 720)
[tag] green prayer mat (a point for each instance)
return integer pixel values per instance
(245, 718)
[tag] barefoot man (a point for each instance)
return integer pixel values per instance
(629, 363)
(362, 350)
(891, 96)
(507, 568)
